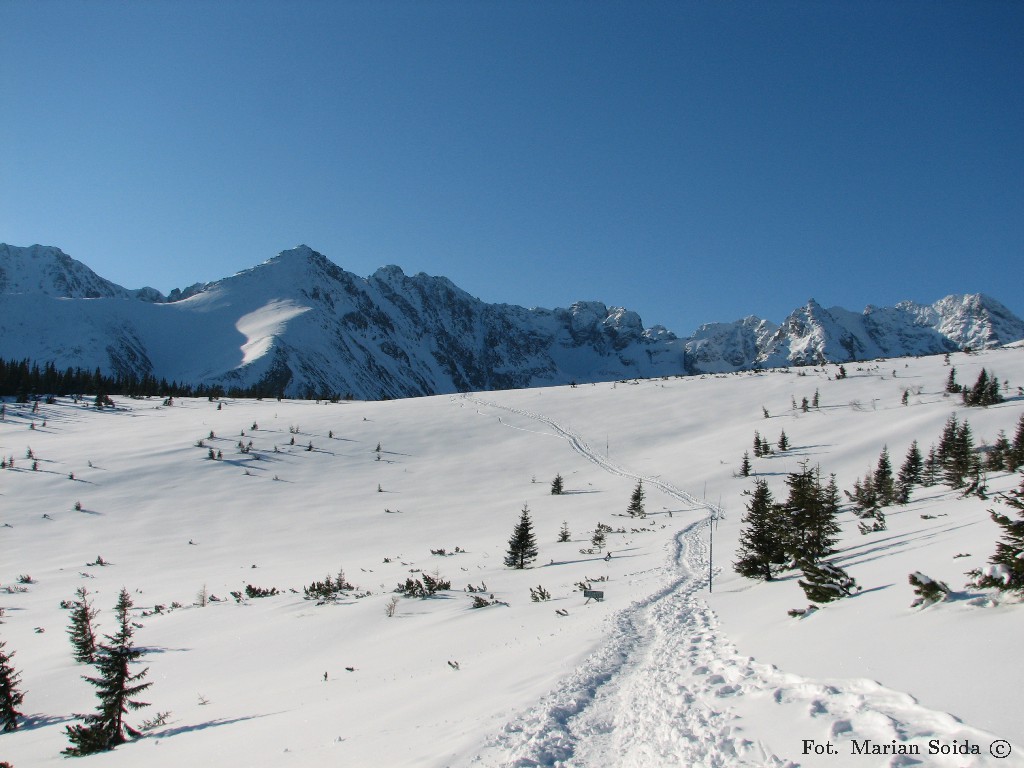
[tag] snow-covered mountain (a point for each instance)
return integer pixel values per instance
(300, 324)
(813, 335)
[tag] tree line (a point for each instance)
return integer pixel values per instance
(27, 380)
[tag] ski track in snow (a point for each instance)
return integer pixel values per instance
(658, 691)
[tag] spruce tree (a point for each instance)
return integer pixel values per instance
(831, 501)
(522, 546)
(1006, 569)
(997, 456)
(563, 534)
(911, 473)
(948, 439)
(557, 486)
(83, 635)
(783, 441)
(958, 462)
(864, 496)
(636, 501)
(1015, 459)
(745, 465)
(761, 546)
(116, 688)
(884, 484)
(975, 395)
(985, 391)
(812, 530)
(10, 696)
(951, 386)
(931, 467)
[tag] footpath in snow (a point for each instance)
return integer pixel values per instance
(665, 688)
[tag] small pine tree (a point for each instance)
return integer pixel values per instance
(816, 399)
(825, 582)
(745, 465)
(928, 590)
(997, 456)
(1015, 458)
(951, 386)
(598, 539)
(959, 460)
(885, 486)
(522, 546)
(931, 467)
(761, 546)
(636, 501)
(563, 533)
(1006, 569)
(783, 441)
(557, 486)
(116, 688)
(911, 473)
(985, 391)
(81, 630)
(947, 440)
(757, 444)
(10, 696)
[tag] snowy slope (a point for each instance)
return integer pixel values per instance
(299, 324)
(660, 673)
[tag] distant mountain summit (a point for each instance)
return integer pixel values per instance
(298, 324)
(46, 270)
(812, 335)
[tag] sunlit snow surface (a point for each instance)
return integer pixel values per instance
(263, 325)
(661, 673)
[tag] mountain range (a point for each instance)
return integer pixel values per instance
(298, 324)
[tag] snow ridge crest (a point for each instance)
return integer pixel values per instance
(299, 324)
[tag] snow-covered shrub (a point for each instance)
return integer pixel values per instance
(928, 590)
(826, 582)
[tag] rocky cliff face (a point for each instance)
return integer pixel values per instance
(300, 324)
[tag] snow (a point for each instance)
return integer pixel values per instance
(661, 673)
(261, 326)
(395, 335)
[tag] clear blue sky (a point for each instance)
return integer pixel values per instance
(693, 161)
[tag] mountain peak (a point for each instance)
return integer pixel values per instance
(307, 325)
(47, 270)
(300, 254)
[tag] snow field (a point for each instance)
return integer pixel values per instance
(661, 673)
